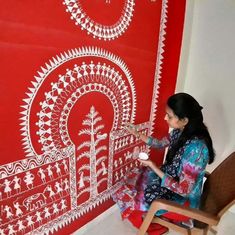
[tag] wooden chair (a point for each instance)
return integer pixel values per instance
(217, 197)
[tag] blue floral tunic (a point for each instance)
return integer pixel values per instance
(182, 181)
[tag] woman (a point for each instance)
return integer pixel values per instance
(180, 178)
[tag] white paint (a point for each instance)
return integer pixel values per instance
(143, 156)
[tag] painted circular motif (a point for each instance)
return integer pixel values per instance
(61, 83)
(110, 22)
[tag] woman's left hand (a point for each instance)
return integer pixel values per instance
(153, 166)
(148, 163)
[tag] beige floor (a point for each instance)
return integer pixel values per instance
(110, 223)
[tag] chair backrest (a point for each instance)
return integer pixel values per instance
(219, 188)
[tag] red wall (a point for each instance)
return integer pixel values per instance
(72, 74)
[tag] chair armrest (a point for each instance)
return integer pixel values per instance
(186, 211)
(207, 174)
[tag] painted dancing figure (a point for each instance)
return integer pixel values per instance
(2, 231)
(38, 217)
(17, 185)
(28, 179)
(51, 192)
(19, 212)
(30, 222)
(42, 175)
(66, 185)
(7, 188)
(58, 170)
(8, 211)
(50, 173)
(11, 230)
(63, 205)
(58, 188)
(21, 226)
(64, 162)
(55, 209)
(47, 214)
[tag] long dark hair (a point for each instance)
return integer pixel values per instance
(185, 106)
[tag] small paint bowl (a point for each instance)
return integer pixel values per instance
(143, 156)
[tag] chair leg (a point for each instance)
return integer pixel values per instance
(148, 219)
(146, 223)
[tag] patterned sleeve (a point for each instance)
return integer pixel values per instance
(194, 161)
(155, 143)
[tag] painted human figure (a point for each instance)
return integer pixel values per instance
(63, 205)
(8, 211)
(42, 175)
(38, 217)
(11, 230)
(49, 171)
(55, 209)
(17, 185)
(91, 66)
(77, 69)
(28, 179)
(116, 176)
(47, 213)
(64, 162)
(51, 192)
(116, 163)
(7, 188)
(66, 185)
(84, 67)
(58, 170)
(59, 189)
(18, 212)
(30, 222)
(21, 227)
(2, 231)
(98, 67)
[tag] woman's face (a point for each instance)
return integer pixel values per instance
(173, 121)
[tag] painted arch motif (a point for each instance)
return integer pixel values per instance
(89, 70)
(70, 84)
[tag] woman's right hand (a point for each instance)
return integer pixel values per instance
(131, 128)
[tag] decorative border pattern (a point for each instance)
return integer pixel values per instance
(13, 168)
(159, 63)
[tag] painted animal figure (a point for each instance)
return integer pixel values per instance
(34, 202)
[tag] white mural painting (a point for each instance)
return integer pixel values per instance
(95, 137)
(45, 191)
(96, 29)
(60, 180)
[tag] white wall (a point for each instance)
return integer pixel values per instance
(207, 68)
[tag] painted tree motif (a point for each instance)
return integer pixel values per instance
(93, 130)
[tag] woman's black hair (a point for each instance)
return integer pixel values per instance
(185, 106)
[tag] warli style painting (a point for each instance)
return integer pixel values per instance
(74, 72)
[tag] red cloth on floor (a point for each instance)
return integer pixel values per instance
(136, 218)
(177, 217)
(154, 229)
(157, 229)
